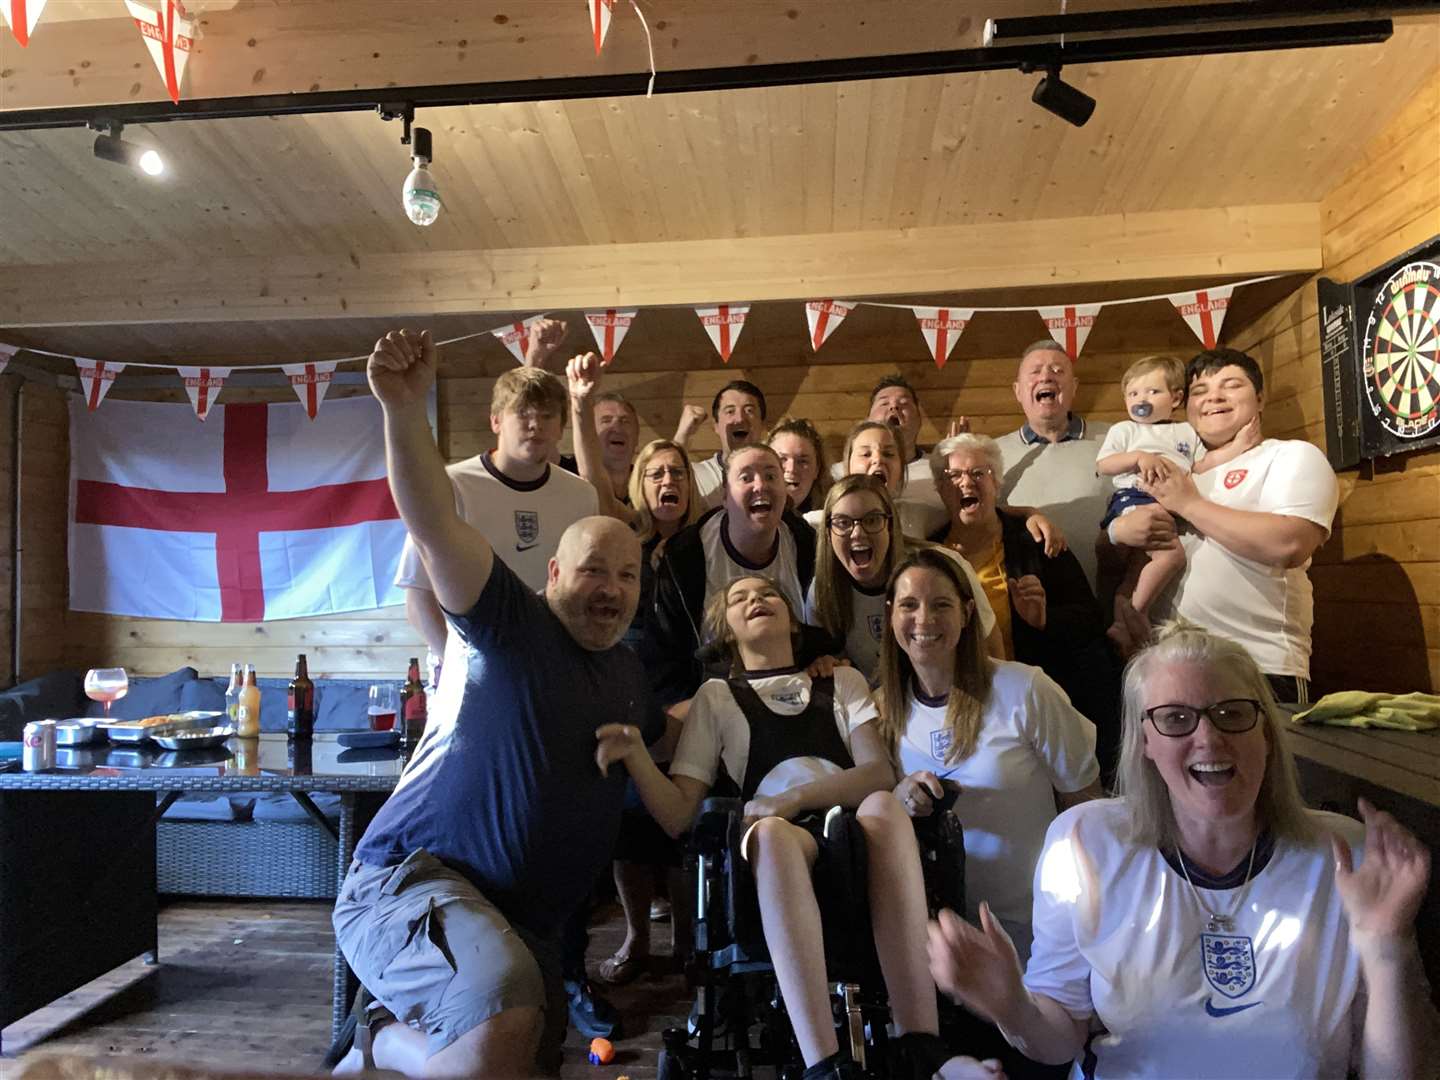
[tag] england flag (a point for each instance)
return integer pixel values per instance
(260, 513)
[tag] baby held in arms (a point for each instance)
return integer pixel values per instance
(1142, 450)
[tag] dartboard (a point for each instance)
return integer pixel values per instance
(1402, 351)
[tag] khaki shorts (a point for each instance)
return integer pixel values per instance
(440, 956)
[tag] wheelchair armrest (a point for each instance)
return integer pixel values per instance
(711, 831)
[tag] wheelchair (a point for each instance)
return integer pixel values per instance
(738, 1023)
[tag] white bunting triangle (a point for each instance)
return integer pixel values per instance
(610, 327)
(22, 15)
(723, 323)
(169, 37)
(203, 385)
(824, 316)
(512, 336)
(7, 353)
(1070, 325)
(942, 327)
(1204, 311)
(95, 379)
(600, 21)
(310, 381)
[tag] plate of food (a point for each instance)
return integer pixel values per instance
(134, 731)
(194, 738)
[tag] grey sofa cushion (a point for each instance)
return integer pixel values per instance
(56, 695)
(203, 695)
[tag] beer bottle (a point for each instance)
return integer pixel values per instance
(247, 715)
(232, 695)
(412, 703)
(300, 703)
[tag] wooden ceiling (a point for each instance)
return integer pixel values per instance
(901, 154)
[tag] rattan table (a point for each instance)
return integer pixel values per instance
(77, 849)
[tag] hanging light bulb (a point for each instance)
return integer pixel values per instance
(421, 195)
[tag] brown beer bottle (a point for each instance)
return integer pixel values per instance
(412, 703)
(300, 718)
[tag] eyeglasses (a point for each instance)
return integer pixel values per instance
(873, 522)
(975, 475)
(1232, 717)
(662, 472)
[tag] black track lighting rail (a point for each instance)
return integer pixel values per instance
(1001, 57)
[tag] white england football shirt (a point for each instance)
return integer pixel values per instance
(1120, 935)
(1032, 743)
(709, 482)
(1175, 440)
(1268, 609)
(723, 564)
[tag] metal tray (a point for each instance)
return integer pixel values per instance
(77, 732)
(196, 739)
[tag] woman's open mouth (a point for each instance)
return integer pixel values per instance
(1211, 773)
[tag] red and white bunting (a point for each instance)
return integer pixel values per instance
(1070, 325)
(1204, 311)
(723, 323)
(600, 21)
(7, 353)
(203, 385)
(170, 36)
(310, 381)
(95, 379)
(610, 327)
(942, 327)
(512, 336)
(824, 316)
(22, 15)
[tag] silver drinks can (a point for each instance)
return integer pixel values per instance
(38, 751)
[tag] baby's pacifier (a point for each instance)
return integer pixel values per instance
(1141, 409)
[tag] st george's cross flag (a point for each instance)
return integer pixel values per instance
(610, 326)
(257, 514)
(170, 36)
(600, 12)
(942, 328)
(203, 385)
(1070, 325)
(1204, 311)
(824, 316)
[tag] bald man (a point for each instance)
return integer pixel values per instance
(452, 911)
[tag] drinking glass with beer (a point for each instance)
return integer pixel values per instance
(383, 702)
(106, 685)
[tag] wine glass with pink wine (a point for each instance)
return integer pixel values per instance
(105, 685)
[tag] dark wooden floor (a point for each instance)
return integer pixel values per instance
(247, 984)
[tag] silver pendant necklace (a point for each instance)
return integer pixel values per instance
(1220, 922)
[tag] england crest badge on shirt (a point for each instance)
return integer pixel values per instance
(1229, 963)
(1235, 477)
(527, 529)
(940, 744)
(877, 626)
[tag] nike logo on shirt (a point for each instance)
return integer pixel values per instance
(526, 547)
(1214, 1010)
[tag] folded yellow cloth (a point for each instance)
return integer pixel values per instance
(1362, 709)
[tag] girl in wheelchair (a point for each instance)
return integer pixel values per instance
(797, 746)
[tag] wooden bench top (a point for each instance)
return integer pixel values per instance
(1404, 761)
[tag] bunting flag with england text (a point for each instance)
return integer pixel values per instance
(1204, 311)
(22, 15)
(1070, 325)
(310, 382)
(942, 328)
(512, 336)
(203, 385)
(170, 36)
(723, 324)
(824, 316)
(610, 327)
(96, 377)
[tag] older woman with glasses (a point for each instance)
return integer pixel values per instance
(858, 543)
(1046, 613)
(1205, 923)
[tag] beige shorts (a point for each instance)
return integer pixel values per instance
(438, 955)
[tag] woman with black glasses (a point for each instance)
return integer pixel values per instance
(858, 542)
(1205, 923)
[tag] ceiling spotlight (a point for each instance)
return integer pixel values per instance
(109, 146)
(420, 195)
(1057, 96)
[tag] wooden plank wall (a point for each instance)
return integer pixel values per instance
(44, 463)
(1377, 581)
(8, 386)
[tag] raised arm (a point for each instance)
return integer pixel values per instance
(457, 557)
(583, 375)
(692, 417)
(671, 802)
(1381, 899)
